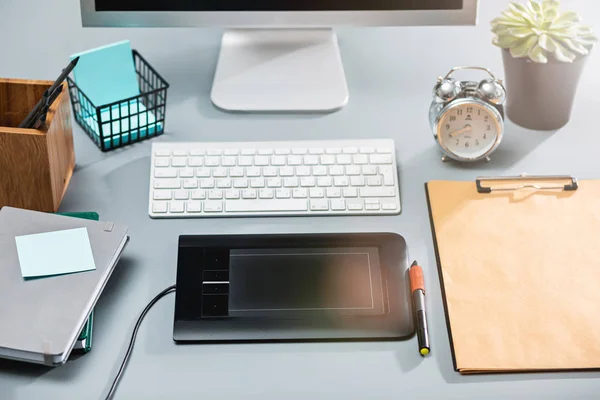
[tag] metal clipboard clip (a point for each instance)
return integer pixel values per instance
(572, 185)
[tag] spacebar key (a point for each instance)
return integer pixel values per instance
(265, 205)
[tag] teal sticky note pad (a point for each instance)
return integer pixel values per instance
(107, 74)
(55, 253)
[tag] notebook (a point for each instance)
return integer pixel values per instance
(520, 273)
(43, 318)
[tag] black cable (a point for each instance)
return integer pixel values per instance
(113, 387)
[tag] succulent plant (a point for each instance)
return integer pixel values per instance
(537, 29)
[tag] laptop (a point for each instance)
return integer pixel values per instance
(42, 318)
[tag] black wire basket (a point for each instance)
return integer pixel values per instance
(127, 121)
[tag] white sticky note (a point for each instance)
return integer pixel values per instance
(55, 253)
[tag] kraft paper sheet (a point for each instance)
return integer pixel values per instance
(521, 276)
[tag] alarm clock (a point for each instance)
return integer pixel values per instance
(467, 117)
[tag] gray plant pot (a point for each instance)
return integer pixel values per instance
(540, 96)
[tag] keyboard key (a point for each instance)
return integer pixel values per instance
(228, 161)
(350, 192)
(197, 152)
(324, 181)
(338, 205)
(266, 205)
(253, 172)
(371, 206)
(245, 161)
(261, 161)
(311, 160)
(333, 192)
(266, 194)
(220, 172)
(308, 181)
(269, 171)
(318, 150)
(248, 152)
(300, 150)
(176, 206)
(265, 152)
(380, 159)
(350, 150)
(320, 170)
(181, 195)
(167, 184)
(274, 182)
(369, 170)
(178, 162)
(374, 181)
(224, 183)
(207, 183)
(162, 153)
(190, 184)
(165, 173)
(199, 194)
(231, 152)
(162, 195)
(300, 193)
(193, 206)
(336, 170)
(161, 162)
(215, 194)
(384, 150)
(232, 194)
(294, 160)
(286, 171)
(319, 205)
(357, 180)
(186, 173)
(316, 193)
(282, 151)
(236, 172)
(214, 152)
(290, 182)
(196, 161)
(388, 179)
(377, 192)
(283, 193)
(249, 194)
(327, 160)
(240, 183)
(352, 170)
(341, 181)
(203, 173)
(302, 171)
(388, 206)
(159, 207)
(367, 150)
(333, 150)
(344, 159)
(257, 182)
(180, 153)
(212, 161)
(278, 160)
(360, 159)
(355, 205)
(213, 206)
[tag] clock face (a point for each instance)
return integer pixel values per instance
(468, 130)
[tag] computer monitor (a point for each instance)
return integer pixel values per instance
(278, 55)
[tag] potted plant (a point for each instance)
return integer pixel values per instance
(544, 50)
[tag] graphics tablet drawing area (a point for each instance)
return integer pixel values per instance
(235, 288)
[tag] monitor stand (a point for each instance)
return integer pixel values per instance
(285, 70)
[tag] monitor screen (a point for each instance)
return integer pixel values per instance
(275, 5)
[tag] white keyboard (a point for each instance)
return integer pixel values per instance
(340, 177)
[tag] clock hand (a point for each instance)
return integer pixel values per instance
(460, 131)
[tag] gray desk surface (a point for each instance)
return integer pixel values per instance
(390, 74)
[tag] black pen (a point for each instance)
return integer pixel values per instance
(35, 112)
(417, 287)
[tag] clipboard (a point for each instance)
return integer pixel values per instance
(519, 266)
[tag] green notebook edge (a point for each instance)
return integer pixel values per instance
(84, 341)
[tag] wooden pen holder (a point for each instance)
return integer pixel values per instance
(36, 165)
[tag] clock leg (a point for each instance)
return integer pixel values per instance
(487, 159)
(444, 158)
